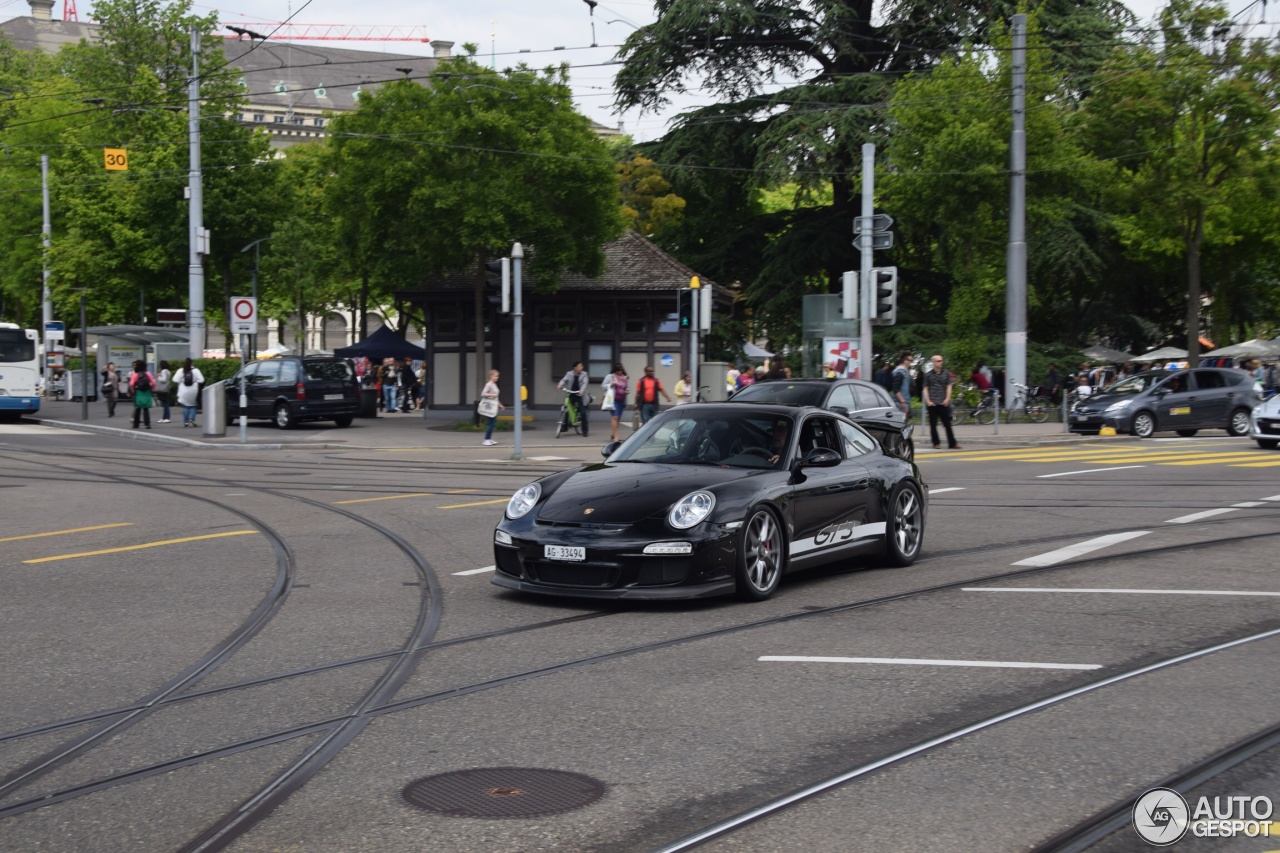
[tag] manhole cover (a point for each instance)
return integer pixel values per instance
(503, 792)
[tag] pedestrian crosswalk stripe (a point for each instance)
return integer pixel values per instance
(1271, 464)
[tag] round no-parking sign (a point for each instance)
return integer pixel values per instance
(244, 315)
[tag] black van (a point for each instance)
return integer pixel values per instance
(294, 388)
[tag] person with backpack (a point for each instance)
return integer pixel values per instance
(189, 381)
(142, 384)
(901, 383)
(615, 395)
(164, 387)
(647, 390)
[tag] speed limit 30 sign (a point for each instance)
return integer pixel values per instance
(244, 315)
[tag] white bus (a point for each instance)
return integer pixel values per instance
(19, 371)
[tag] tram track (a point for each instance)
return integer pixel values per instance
(257, 807)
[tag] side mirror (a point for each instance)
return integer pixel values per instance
(820, 457)
(608, 449)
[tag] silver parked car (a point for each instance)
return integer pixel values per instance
(1264, 423)
(1184, 401)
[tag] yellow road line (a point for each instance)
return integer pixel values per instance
(478, 503)
(1273, 463)
(1224, 458)
(385, 498)
(139, 547)
(460, 491)
(72, 530)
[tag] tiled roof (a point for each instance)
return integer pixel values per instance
(632, 264)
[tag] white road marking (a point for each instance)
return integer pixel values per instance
(951, 489)
(1116, 591)
(1248, 504)
(478, 571)
(1196, 516)
(1272, 498)
(547, 458)
(1080, 548)
(992, 664)
(1090, 471)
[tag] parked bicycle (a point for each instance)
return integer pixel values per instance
(969, 403)
(1036, 407)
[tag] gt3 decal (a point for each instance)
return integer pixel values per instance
(836, 536)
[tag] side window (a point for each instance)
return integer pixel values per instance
(841, 400)
(268, 373)
(288, 373)
(818, 433)
(1208, 379)
(856, 442)
(867, 398)
(248, 373)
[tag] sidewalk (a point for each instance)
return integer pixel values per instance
(434, 430)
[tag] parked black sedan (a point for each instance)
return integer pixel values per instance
(865, 403)
(712, 499)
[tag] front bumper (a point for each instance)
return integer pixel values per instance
(616, 566)
(1264, 427)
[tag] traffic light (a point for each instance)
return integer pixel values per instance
(684, 308)
(497, 283)
(884, 296)
(849, 295)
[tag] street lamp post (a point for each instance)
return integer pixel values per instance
(256, 245)
(195, 192)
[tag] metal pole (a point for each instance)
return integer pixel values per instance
(46, 297)
(517, 342)
(195, 276)
(84, 362)
(864, 280)
(1015, 338)
(695, 298)
(257, 261)
(244, 394)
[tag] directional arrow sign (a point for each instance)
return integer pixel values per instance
(879, 222)
(882, 240)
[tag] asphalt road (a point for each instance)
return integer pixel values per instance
(179, 627)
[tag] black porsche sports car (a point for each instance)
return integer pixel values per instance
(712, 499)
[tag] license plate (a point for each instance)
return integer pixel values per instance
(333, 396)
(564, 552)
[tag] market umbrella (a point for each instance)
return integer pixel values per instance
(1107, 354)
(383, 343)
(750, 350)
(1162, 354)
(1256, 348)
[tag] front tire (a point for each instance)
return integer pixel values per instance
(1268, 443)
(560, 425)
(1039, 410)
(761, 556)
(1239, 423)
(904, 527)
(344, 420)
(1187, 433)
(284, 417)
(1143, 425)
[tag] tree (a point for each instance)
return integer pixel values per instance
(832, 64)
(460, 168)
(1189, 117)
(648, 205)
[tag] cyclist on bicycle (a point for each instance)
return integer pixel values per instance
(575, 384)
(981, 377)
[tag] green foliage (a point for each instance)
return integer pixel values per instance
(648, 205)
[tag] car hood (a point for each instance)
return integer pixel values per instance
(1269, 408)
(1098, 402)
(629, 492)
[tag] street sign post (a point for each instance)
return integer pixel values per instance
(244, 315)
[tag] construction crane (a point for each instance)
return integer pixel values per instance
(323, 32)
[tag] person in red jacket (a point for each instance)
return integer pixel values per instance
(647, 390)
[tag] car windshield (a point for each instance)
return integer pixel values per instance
(710, 437)
(783, 393)
(1135, 384)
(329, 371)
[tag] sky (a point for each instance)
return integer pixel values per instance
(553, 31)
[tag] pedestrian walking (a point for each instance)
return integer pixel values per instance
(111, 388)
(938, 384)
(684, 389)
(164, 387)
(615, 395)
(647, 390)
(489, 406)
(901, 383)
(407, 380)
(420, 385)
(575, 383)
(1053, 384)
(189, 380)
(142, 384)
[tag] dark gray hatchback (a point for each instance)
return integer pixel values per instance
(1184, 401)
(291, 389)
(865, 403)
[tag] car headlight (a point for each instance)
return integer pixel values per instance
(523, 500)
(1118, 408)
(691, 509)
